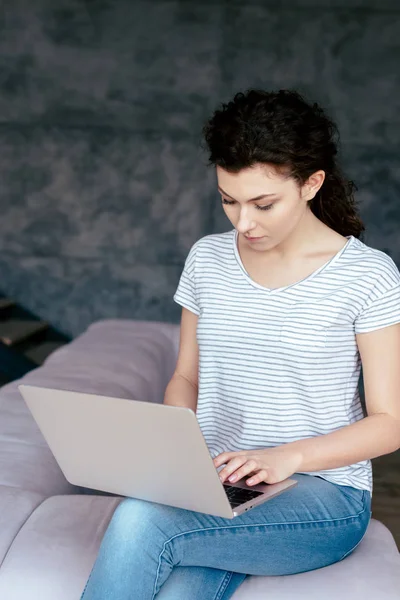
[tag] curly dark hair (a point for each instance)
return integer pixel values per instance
(282, 129)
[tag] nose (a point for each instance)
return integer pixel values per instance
(245, 223)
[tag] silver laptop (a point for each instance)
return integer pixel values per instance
(139, 449)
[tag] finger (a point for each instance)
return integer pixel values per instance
(223, 458)
(259, 477)
(248, 467)
(231, 467)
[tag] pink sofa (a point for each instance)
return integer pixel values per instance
(50, 531)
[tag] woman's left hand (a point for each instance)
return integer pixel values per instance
(270, 465)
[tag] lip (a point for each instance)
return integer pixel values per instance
(254, 239)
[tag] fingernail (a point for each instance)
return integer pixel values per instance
(232, 478)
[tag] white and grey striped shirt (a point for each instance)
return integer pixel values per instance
(279, 365)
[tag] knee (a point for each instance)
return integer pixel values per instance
(138, 526)
(134, 518)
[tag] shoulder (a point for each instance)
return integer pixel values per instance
(207, 252)
(214, 243)
(375, 274)
(376, 263)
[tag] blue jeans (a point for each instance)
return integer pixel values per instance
(155, 551)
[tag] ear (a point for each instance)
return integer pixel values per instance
(312, 185)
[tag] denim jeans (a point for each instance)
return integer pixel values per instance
(152, 550)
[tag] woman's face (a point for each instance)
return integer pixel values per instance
(261, 203)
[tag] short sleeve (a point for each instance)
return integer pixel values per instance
(383, 306)
(185, 294)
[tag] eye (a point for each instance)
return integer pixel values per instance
(230, 202)
(267, 207)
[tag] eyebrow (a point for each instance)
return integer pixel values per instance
(251, 199)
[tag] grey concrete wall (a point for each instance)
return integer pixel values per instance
(104, 186)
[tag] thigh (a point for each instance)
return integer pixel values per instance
(200, 583)
(312, 525)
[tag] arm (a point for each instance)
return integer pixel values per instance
(182, 390)
(379, 432)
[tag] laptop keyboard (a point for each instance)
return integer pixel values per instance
(237, 496)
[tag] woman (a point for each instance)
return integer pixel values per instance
(278, 314)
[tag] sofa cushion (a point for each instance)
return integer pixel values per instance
(53, 553)
(56, 549)
(371, 571)
(16, 506)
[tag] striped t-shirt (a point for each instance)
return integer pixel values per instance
(279, 365)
